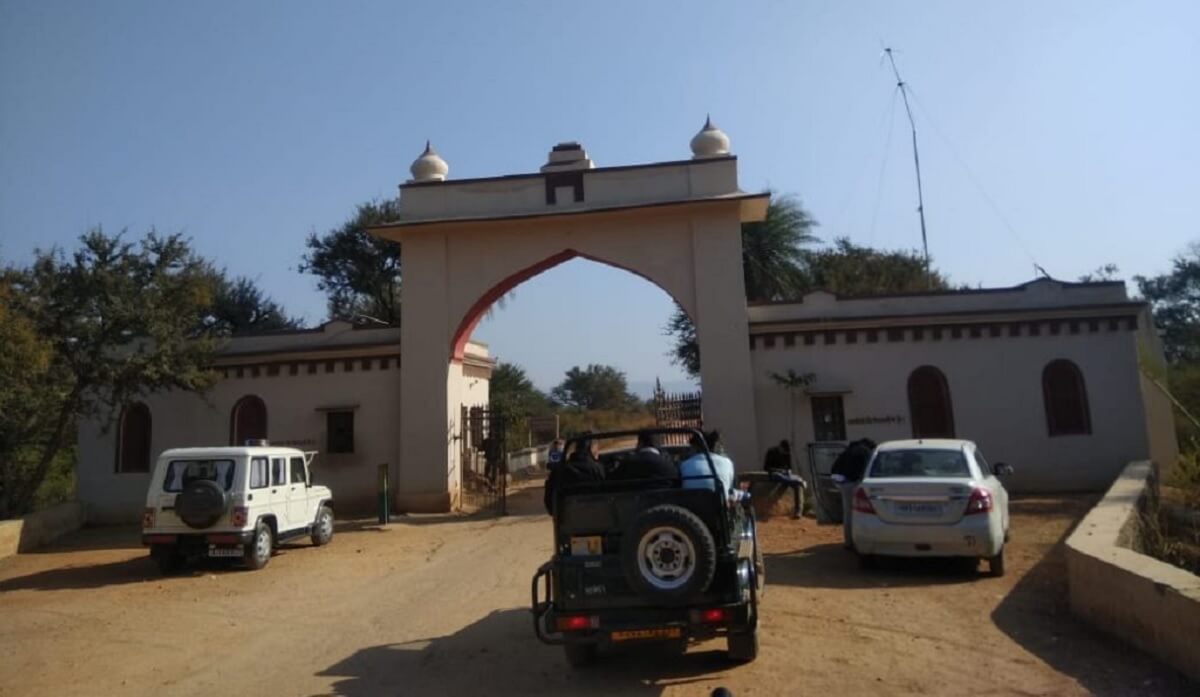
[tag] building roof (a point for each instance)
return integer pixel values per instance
(334, 337)
(1037, 298)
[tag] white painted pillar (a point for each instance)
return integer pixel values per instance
(722, 330)
(427, 424)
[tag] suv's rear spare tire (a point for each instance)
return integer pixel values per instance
(201, 503)
(668, 554)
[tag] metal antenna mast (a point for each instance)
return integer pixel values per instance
(900, 85)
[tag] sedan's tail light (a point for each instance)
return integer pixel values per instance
(980, 501)
(148, 518)
(240, 515)
(862, 502)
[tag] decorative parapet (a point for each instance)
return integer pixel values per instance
(1148, 603)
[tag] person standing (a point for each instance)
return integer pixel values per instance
(848, 470)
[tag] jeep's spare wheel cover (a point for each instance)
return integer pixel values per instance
(669, 554)
(201, 503)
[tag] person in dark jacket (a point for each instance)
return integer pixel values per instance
(581, 466)
(850, 466)
(647, 462)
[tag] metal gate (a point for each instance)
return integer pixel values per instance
(484, 442)
(677, 410)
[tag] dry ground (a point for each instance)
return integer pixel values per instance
(438, 606)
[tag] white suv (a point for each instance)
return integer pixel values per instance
(232, 502)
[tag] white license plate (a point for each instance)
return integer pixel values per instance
(224, 551)
(919, 509)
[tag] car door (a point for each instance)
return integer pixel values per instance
(280, 492)
(297, 502)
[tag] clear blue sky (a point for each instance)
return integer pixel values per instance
(248, 125)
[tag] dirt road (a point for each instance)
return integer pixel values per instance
(437, 606)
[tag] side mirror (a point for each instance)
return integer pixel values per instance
(1002, 470)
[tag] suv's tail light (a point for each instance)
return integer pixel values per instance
(240, 515)
(862, 502)
(148, 518)
(980, 501)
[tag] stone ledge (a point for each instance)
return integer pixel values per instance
(1141, 600)
(41, 528)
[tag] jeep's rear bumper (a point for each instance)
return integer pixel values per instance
(554, 625)
(197, 539)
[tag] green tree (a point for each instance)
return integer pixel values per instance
(359, 273)
(511, 389)
(849, 269)
(239, 306)
(1174, 298)
(773, 251)
(109, 323)
(594, 387)
(1107, 272)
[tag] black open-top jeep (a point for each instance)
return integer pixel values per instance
(649, 560)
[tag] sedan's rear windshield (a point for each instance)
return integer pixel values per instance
(180, 473)
(919, 463)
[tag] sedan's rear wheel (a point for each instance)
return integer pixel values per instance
(996, 564)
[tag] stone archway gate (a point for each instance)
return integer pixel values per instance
(468, 242)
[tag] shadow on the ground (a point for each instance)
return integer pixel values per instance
(498, 655)
(831, 566)
(1036, 614)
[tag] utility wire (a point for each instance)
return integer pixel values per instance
(887, 149)
(979, 186)
(903, 87)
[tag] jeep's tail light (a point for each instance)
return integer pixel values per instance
(576, 623)
(980, 501)
(148, 518)
(862, 502)
(240, 515)
(713, 615)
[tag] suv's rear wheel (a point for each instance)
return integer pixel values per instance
(167, 558)
(323, 527)
(258, 550)
(580, 655)
(668, 554)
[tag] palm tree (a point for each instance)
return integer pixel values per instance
(772, 251)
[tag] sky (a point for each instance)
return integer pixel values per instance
(1065, 134)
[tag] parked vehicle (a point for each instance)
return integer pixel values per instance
(929, 498)
(648, 561)
(235, 502)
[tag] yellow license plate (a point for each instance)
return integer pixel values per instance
(641, 634)
(586, 546)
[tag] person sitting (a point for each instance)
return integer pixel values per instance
(647, 462)
(778, 463)
(695, 471)
(581, 466)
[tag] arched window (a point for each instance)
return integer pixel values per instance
(1066, 399)
(929, 404)
(248, 420)
(133, 439)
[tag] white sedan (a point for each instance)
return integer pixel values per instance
(931, 498)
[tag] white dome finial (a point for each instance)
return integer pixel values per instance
(429, 167)
(709, 142)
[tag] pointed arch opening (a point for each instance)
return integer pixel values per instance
(470, 320)
(1065, 397)
(134, 432)
(929, 404)
(247, 420)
